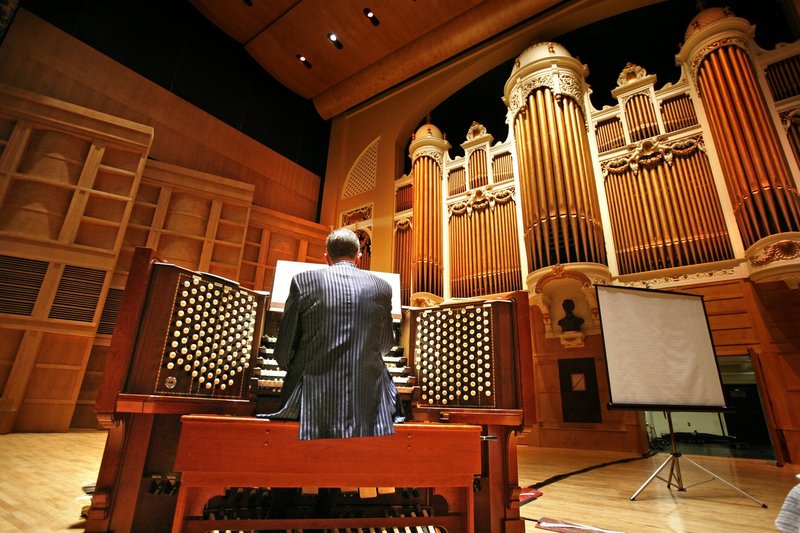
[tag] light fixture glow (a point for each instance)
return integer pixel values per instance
(335, 41)
(301, 58)
(371, 16)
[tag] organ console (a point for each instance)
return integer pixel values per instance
(474, 366)
(182, 344)
(188, 346)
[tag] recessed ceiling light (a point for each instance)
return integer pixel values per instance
(335, 41)
(371, 16)
(301, 58)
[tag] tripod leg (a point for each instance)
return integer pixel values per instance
(675, 473)
(652, 477)
(731, 485)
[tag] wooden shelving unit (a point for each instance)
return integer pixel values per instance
(68, 179)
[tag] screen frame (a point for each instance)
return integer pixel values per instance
(716, 396)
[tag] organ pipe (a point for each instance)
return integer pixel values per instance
(483, 251)
(478, 169)
(559, 202)
(762, 191)
(404, 198)
(678, 113)
(641, 117)
(402, 257)
(456, 181)
(427, 266)
(783, 78)
(664, 209)
(502, 167)
(609, 135)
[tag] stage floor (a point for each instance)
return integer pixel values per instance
(41, 475)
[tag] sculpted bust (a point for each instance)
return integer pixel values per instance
(570, 322)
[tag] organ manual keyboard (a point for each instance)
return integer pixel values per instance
(183, 343)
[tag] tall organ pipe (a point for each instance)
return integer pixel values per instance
(427, 263)
(760, 185)
(560, 210)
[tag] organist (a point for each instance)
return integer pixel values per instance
(335, 327)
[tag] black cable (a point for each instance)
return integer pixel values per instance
(649, 453)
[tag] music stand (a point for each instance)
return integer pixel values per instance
(675, 471)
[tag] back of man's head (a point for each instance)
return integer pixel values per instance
(342, 244)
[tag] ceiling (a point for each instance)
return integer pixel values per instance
(413, 35)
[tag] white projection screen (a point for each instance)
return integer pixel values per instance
(286, 270)
(658, 350)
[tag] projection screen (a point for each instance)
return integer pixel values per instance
(658, 350)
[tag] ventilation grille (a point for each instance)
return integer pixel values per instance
(78, 294)
(110, 312)
(362, 175)
(20, 282)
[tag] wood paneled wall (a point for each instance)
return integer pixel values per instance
(761, 319)
(95, 200)
(42, 59)
(68, 179)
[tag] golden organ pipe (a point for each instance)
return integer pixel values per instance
(571, 187)
(577, 177)
(729, 60)
(700, 206)
(616, 227)
(645, 229)
(529, 194)
(730, 66)
(686, 228)
(495, 258)
(555, 178)
(546, 177)
(737, 184)
(628, 205)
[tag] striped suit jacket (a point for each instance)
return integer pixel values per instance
(336, 326)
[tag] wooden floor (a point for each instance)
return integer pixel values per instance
(41, 476)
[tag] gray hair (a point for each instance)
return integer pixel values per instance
(342, 244)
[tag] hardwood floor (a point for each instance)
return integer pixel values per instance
(41, 476)
(601, 497)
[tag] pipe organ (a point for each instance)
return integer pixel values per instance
(662, 202)
(664, 209)
(483, 244)
(560, 211)
(761, 187)
(426, 259)
(692, 180)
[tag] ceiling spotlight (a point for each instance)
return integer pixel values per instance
(371, 16)
(301, 58)
(335, 41)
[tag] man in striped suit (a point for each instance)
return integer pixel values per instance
(336, 326)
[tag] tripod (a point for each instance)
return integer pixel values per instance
(675, 471)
